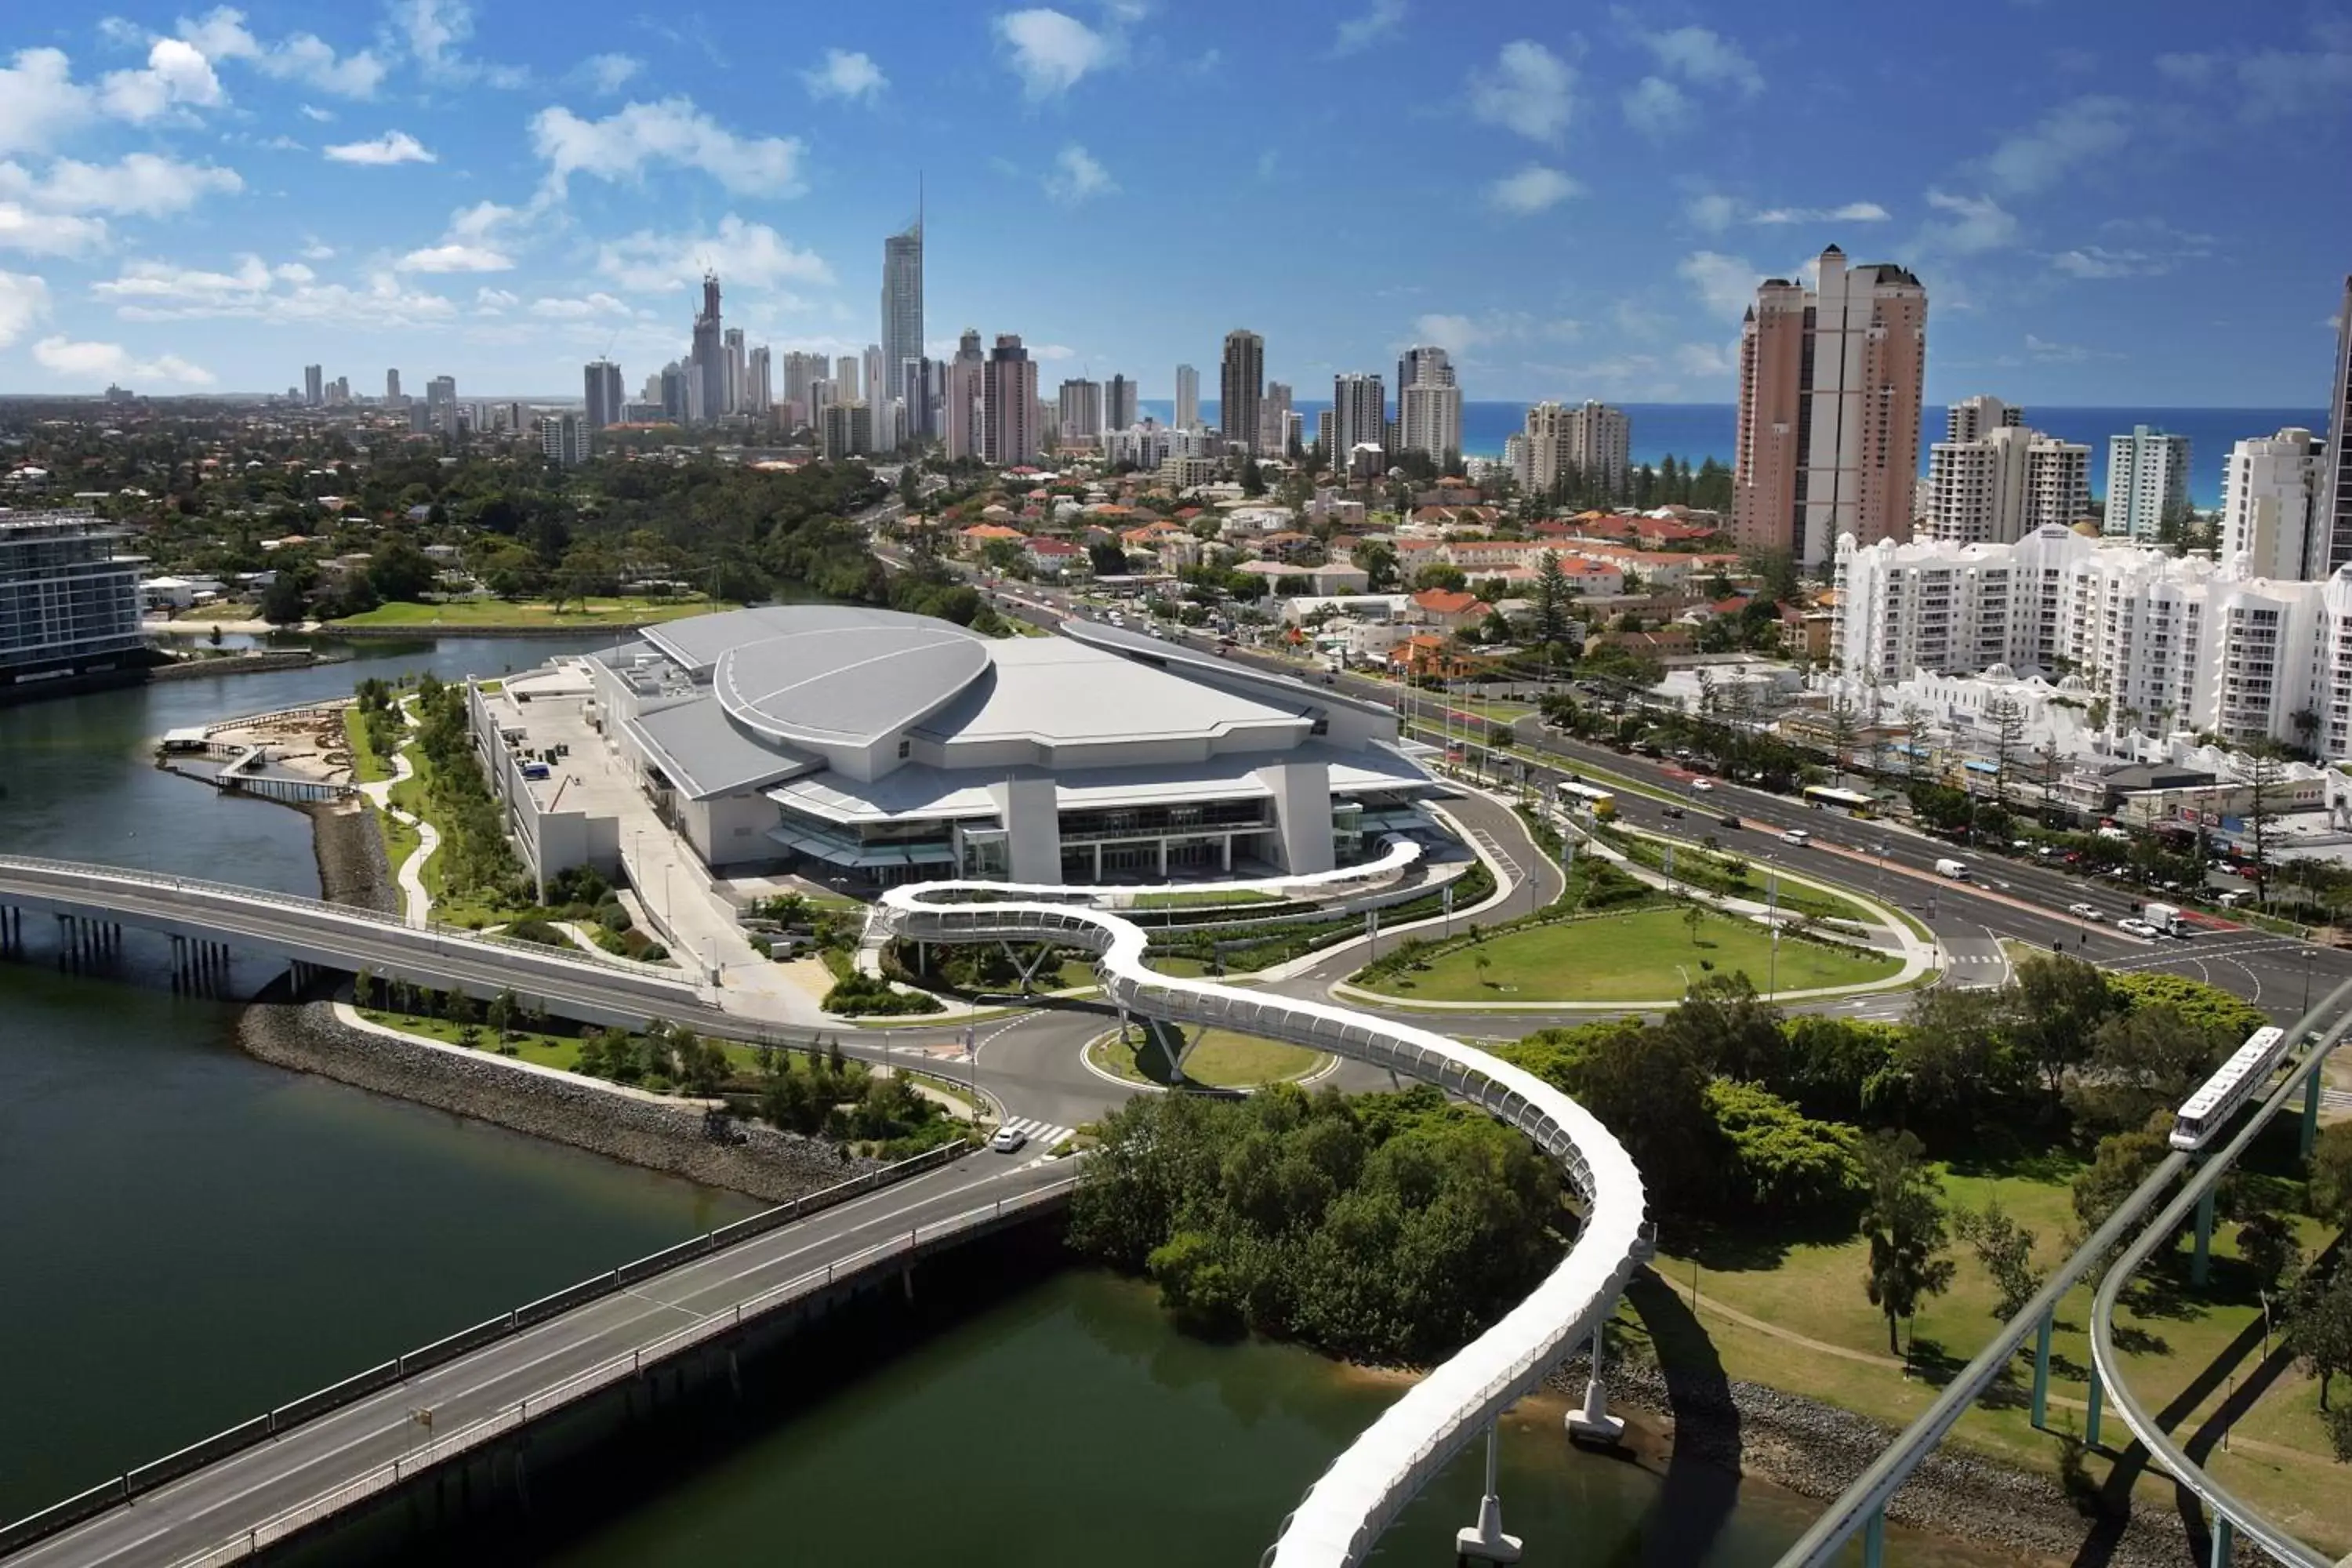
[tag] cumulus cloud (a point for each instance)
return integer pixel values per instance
(672, 132)
(1532, 189)
(391, 147)
(473, 242)
(580, 310)
(95, 363)
(1052, 52)
(24, 299)
(2275, 83)
(255, 291)
(1078, 176)
(1706, 58)
(39, 100)
(433, 32)
(1529, 90)
(1724, 284)
(222, 35)
(747, 255)
(176, 74)
(142, 183)
(845, 74)
(1969, 225)
(1360, 32)
(1852, 212)
(2062, 141)
(1461, 335)
(1657, 108)
(455, 258)
(37, 233)
(608, 73)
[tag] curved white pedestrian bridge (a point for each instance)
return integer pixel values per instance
(1346, 1511)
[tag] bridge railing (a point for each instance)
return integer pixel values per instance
(1345, 1512)
(319, 1402)
(439, 1450)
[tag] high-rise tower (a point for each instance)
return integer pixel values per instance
(2331, 527)
(962, 425)
(1188, 397)
(1829, 382)
(1241, 380)
(902, 319)
(602, 379)
(1009, 402)
(709, 352)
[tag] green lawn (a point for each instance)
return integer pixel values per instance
(503, 615)
(1647, 956)
(1809, 1289)
(367, 766)
(1220, 1058)
(1713, 871)
(1202, 900)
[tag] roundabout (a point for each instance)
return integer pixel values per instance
(1136, 1058)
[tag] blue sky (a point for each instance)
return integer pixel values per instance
(2138, 204)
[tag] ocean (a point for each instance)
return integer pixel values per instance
(1697, 431)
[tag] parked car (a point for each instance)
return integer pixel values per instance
(2085, 912)
(1008, 1140)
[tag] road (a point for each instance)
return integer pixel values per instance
(233, 1495)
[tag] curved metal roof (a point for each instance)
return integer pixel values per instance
(846, 684)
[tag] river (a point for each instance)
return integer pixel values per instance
(194, 1237)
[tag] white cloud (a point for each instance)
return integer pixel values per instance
(1462, 336)
(95, 363)
(222, 35)
(24, 299)
(37, 233)
(142, 183)
(1724, 284)
(558, 310)
(312, 111)
(176, 74)
(455, 258)
(624, 144)
(1078, 176)
(1532, 189)
(1052, 52)
(746, 255)
(2274, 83)
(1529, 90)
(1708, 359)
(1712, 212)
(1657, 108)
(318, 250)
(494, 301)
(433, 31)
(1358, 33)
(39, 100)
(1704, 58)
(289, 293)
(2048, 353)
(2067, 137)
(1052, 351)
(1972, 225)
(391, 147)
(845, 74)
(1852, 212)
(608, 73)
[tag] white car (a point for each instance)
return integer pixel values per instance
(2137, 928)
(1798, 836)
(1702, 784)
(2085, 912)
(1008, 1140)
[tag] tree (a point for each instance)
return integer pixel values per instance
(2061, 1002)
(1845, 727)
(1552, 594)
(2143, 1063)
(287, 599)
(2330, 1190)
(2267, 1245)
(2005, 1248)
(363, 989)
(2319, 1326)
(500, 1015)
(2007, 721)
(1906, 1226)
(1694, 917)
(1441, 575)
(2265, 776)
(2122, 1162)
(401, 572)
(1956, 1054)
(1252, 479)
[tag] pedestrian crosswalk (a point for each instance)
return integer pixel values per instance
(1044, 1136)
(2337, 1100)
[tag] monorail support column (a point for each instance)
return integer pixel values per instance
(2201, 1262)
(2042, 1373)
(2224, 1541)
(2096, 1402)
(2309, 1132)
(1485, 1541)
(1593, 1423)
(1874, 1539)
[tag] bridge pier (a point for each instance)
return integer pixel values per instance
(12, 931)
(2201, 1262)
(2042, 1373)
(1485, 1541)
(1593, 1423)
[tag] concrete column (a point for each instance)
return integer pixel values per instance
(2224, 1541)
(1874, 1539)
(1163, 859)
(2091, 1415)
(2042, 1373)
(1593, 1423)
(1485, 1541)
(2201, 1262)
(1226, 854)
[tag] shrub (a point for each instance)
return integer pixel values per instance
(860, 995)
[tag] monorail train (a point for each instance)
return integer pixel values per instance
(2210, 1107)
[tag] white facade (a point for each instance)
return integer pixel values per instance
(2165, 643)
(1999, 486)
(2270, 493)
(1359, 417)
(1973, 418)
(1080, 408)
(2148, 482)
(1430, 420)
(1188, 398)
(1591, 439)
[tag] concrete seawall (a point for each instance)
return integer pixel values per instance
(761, 1161)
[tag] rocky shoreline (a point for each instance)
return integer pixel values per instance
(1816, 1450)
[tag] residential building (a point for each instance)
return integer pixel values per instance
(801, 371)
(1591, 441)
(847, 386)
(1429, 404)
(602, 385)
(846, 430)
(564, 440)
(1119, 404)
(1325, 436)
(2270, 501)
(1999, 486)
(759, 383)
(314, 384)
(1358, 418)
(2333, 529)
(1009, 421)
(963, 429)
(1829, 386)
(441, 400)
(2158, 642)
(1080, 405)
(707, 395)
(392, 386)
(902, 314)
(68, 603)
(1274, 420)
(1241, 375)
(896, 747)
(2148, 482)
(1188, 398)
(738, 370)
(1973, 417)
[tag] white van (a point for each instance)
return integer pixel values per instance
(1952, 869)
(1798, 836)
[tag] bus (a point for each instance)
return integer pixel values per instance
(1599, 802)
(1852, 802)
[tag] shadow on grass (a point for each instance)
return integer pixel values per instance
(1758, 1244)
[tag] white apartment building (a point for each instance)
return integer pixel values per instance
(2167, 643)
(1188, 398)
(1999, 486)
(2270, 493)
(1591, 439)
(2148, 482)
(1973, 418)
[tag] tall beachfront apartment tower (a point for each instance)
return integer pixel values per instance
(1188, 398)
(2332, 529)
(2148, 482)
(1241, 383)
(1830, 385)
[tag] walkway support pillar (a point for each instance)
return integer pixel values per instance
(1485, 1541)
(2042, 1373)
(1593, 1423)
(2308, 1132)
(2224, 1541)
(2201, 1262)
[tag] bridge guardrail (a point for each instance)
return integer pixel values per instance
(384, 1476)
(276, 1423)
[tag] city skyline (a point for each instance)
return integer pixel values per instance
(201, 199)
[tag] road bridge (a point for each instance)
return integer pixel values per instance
(289, 1470)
